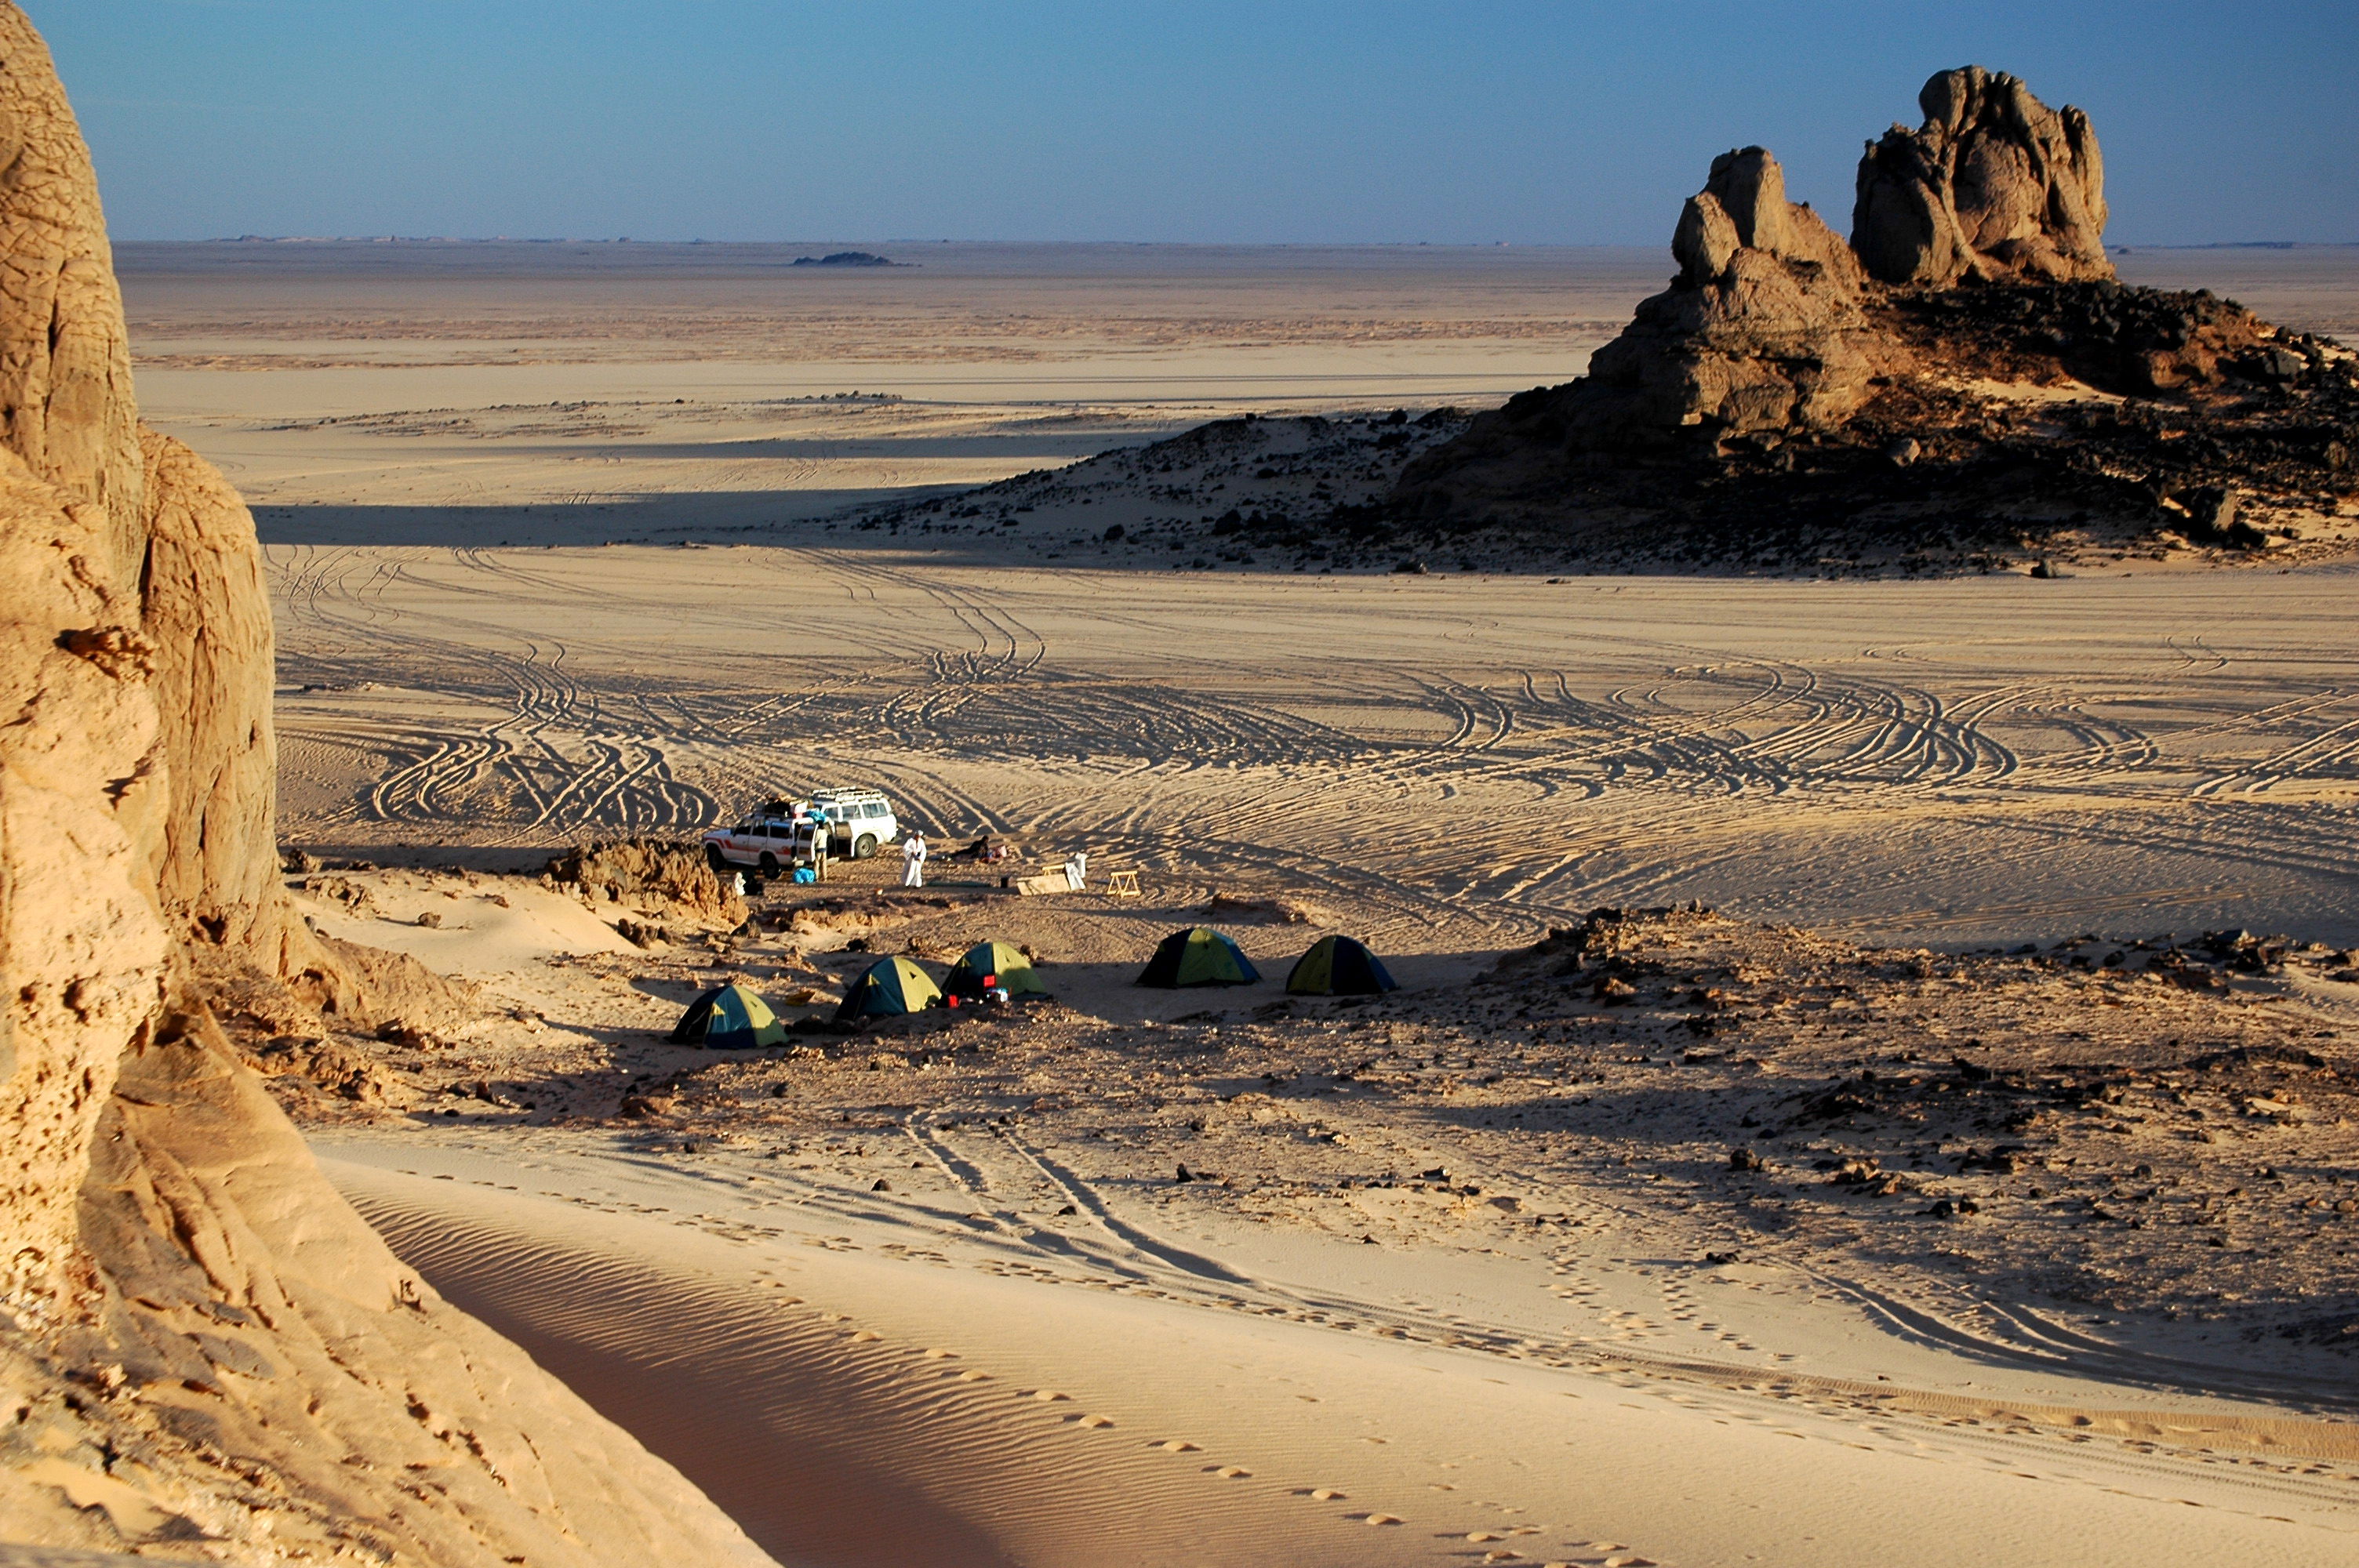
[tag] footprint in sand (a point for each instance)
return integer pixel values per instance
(974, 1377)
(942, 1354)
(1328, 1495)
(1091, 1420)
(1229, 1472)
(865, 1338)
(1380, 1518)
(1175, 1445)
(1049, 1395)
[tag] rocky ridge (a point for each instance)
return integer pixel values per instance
(203, 1352)
(1963, 384)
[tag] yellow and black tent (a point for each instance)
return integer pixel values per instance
(989, 964)
(1199, 956)
(887, 988)
(728, 1018)
(1339, 966)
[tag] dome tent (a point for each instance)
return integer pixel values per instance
(728, 1018)
(1339, 966)
(1199, 956)
(988, 963)
(887, 988)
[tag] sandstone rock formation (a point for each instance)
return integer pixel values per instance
(204, 611)
(1779, 405)
(200, 1343)
(66, 407)
(646, 869)
(1994, 185)
(83, 949)
(1762, 329)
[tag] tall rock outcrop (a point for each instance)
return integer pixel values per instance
(1995, 186)
(1764, 332)
(1762, 329)
(1792, 400)
(83, 947)
(203, 598)
(65, 360)
(202, 1350)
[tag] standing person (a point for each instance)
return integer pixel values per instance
(913, 859)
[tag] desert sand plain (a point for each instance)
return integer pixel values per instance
(573, 553)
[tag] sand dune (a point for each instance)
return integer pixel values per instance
(881, 1377)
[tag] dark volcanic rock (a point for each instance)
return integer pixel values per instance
(1777, 406)
(850, 258)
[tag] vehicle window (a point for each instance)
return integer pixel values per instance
(743, 827)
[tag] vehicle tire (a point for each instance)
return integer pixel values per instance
(769, 864)
(863, 846)
(716, 859)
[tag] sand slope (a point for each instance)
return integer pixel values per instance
(868, 1378)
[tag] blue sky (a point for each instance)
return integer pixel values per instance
(1449, 121)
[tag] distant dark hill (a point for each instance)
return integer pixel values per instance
(850, 258)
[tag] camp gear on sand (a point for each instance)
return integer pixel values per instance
(993, 965)
(887, 987)
(1339, 966)
(1199, 956)
(728, 1018)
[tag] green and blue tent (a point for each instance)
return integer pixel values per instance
(887, 989)
(728, 1018)
(974, 972)
(1199, 956)
(1339, 966)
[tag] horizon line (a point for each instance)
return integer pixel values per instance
(2111, 246)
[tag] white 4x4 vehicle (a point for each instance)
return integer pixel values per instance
(857, 821)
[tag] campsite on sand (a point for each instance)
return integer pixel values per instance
(1871, 1055)
(1869, 1074)
(866, 904)
(1495, 1262)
